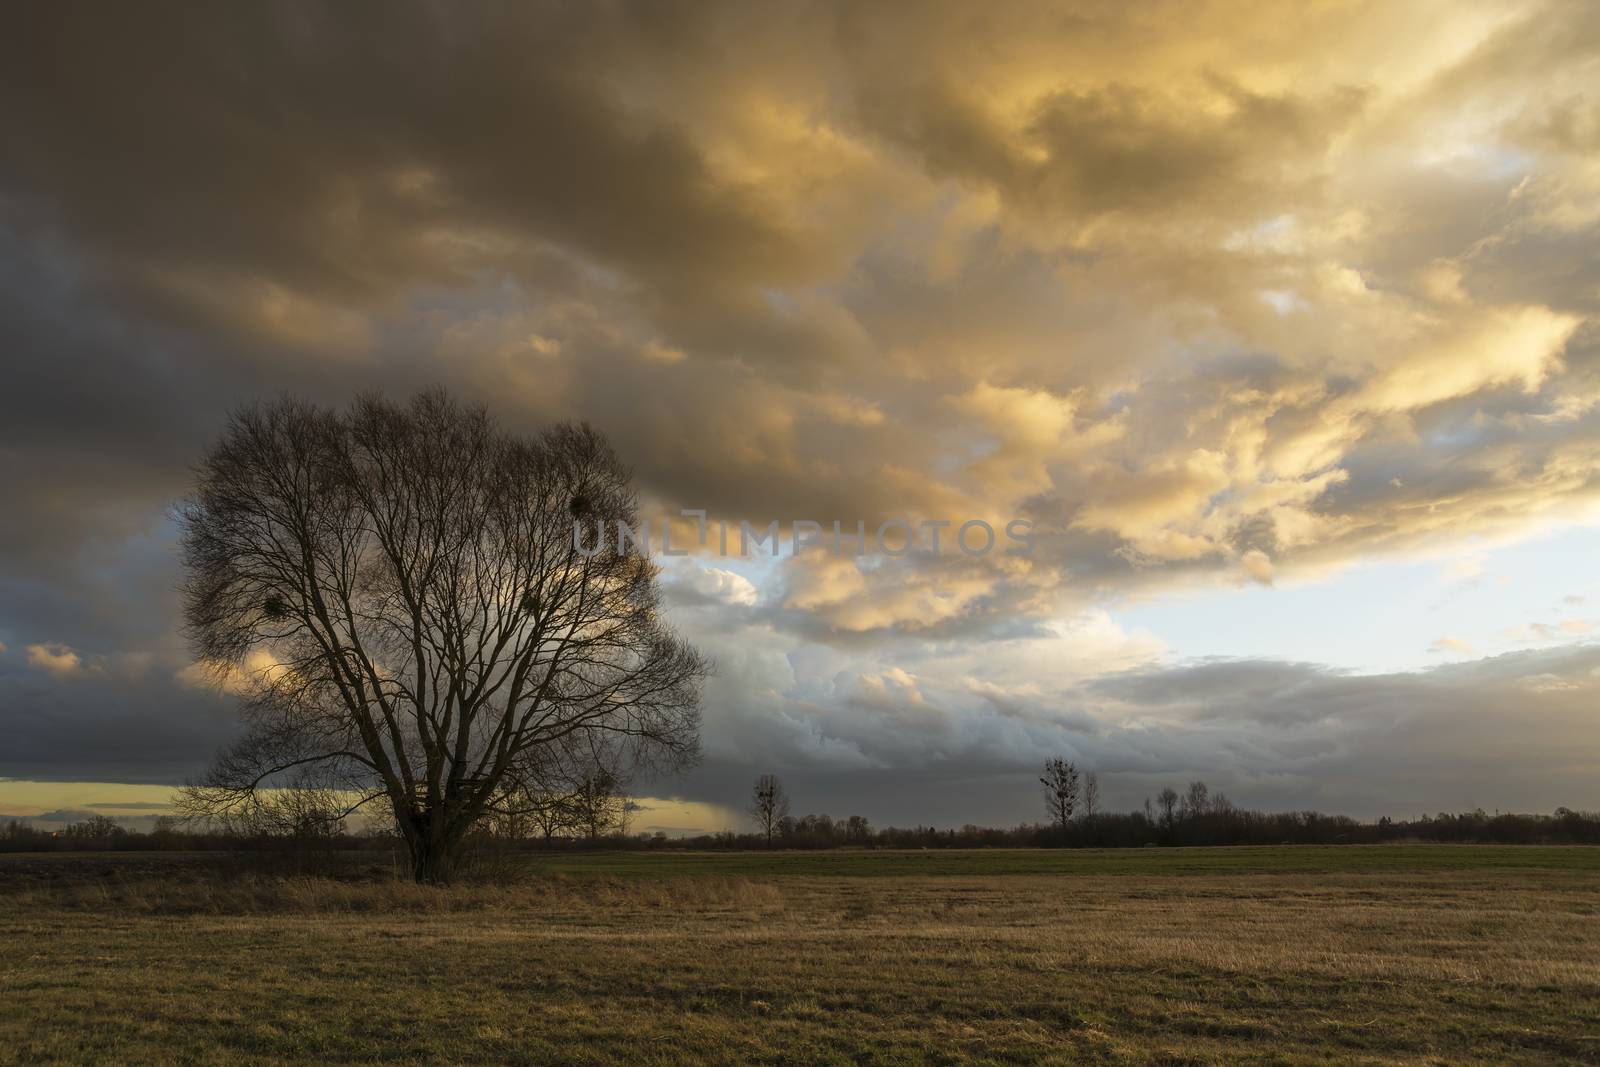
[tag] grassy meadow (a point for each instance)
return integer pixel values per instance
(1384, 954)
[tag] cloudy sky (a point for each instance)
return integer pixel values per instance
(1279, 322)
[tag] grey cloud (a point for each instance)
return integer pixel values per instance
(1497, 732)
(140, 726)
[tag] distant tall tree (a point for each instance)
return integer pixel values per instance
(1167, 804)
(1091, 795)
(1197, 801)
(769, 805)
(399, 589)
(599, 806)
(1060, 781)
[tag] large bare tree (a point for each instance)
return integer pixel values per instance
(1060, 782)
(397, 591)
(769, 805)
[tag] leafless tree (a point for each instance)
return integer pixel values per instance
(1167, 802)
(600, 807)
(769, 805)
(397, 591)
(1091, 795)
(95, 828)
(558, 794)
(1196, 802)
(553, 814)
(517, 824)
(1060, 781)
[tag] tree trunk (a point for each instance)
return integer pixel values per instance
(432, 866)
(435, 852)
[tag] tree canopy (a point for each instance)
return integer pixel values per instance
(395, 593)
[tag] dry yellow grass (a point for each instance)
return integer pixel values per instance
(248, 893)
(1446, 967)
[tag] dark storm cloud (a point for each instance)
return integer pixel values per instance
(107, 720)
(345, 151)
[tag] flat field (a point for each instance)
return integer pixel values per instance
(1386, 954)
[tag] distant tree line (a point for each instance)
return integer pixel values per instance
(589, 811)
(594, 811)
(1104, 830)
